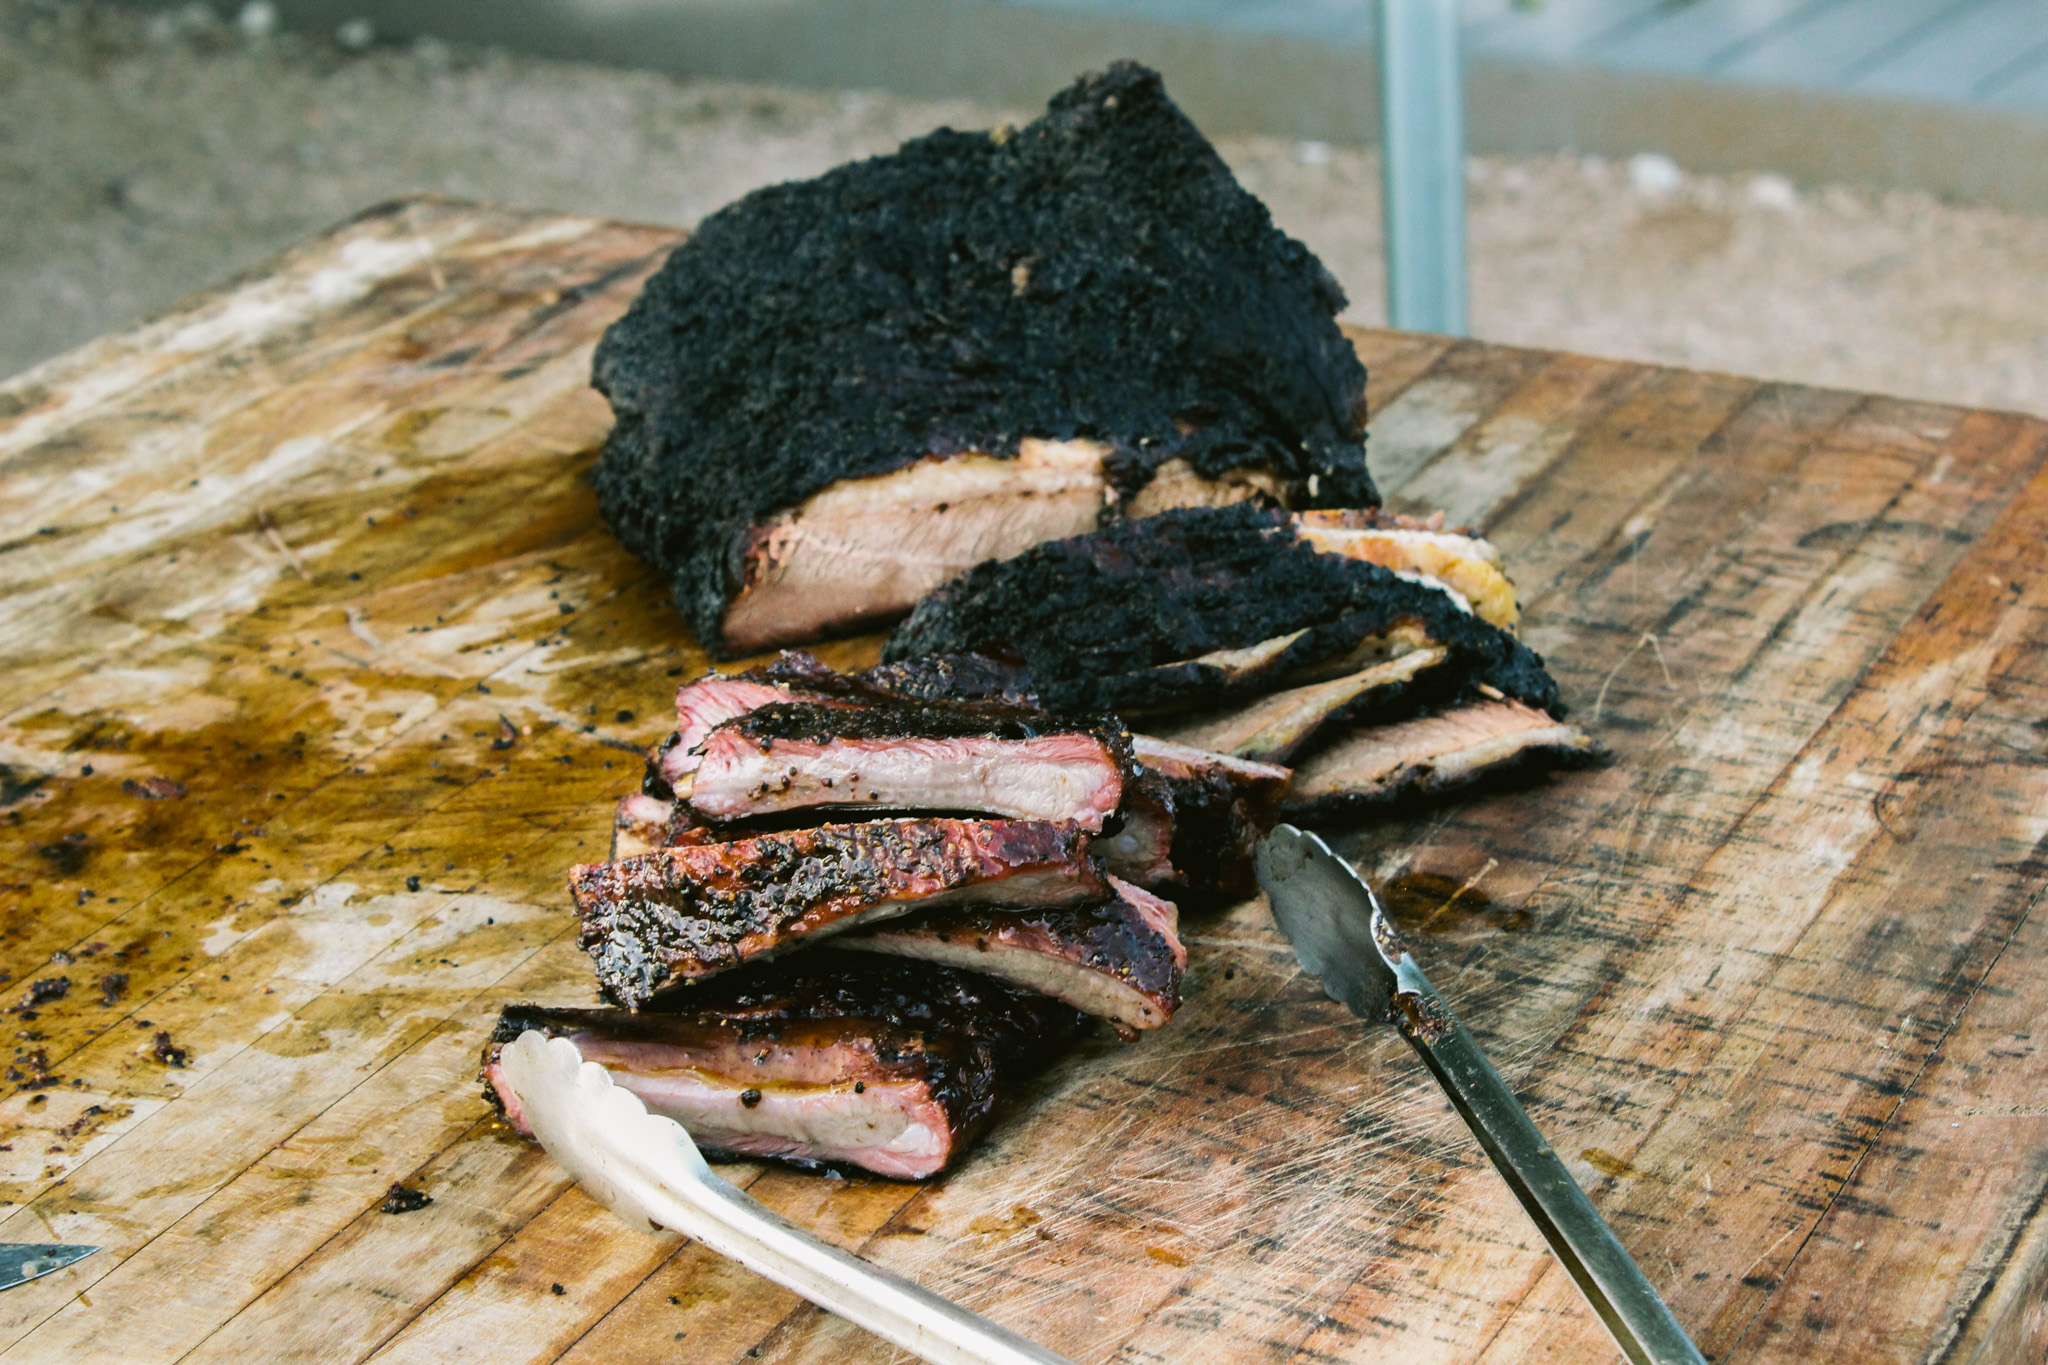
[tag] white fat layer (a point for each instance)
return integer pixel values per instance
(867, 549)
(1034, 779)
(1423, 580)
(1445, 542)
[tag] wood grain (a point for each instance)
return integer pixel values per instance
(320, 670)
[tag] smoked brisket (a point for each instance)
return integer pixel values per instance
(1382, 769)
(804, 367)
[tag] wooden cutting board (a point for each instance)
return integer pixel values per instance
(320, 670)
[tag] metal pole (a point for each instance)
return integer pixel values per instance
(1422, 140)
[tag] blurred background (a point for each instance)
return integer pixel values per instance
(1849, 192)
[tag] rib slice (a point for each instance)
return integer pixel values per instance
(1274, 726)
(702, 705)
(680, 914)
(1121, 960)
(998, 760)
(836, 1059)
(1460, 560)
(1376, 768)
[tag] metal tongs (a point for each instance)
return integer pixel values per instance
(1341, 934)
(646, 1169)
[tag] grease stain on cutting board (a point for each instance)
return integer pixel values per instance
(1449, 907)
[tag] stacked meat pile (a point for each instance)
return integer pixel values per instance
(839, 393)
(1375, 652)
(847, 912)
(1065, 396)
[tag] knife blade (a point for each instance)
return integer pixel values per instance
(21, 1262)
(1341, 935)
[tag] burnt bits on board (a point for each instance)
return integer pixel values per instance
(1096, 276)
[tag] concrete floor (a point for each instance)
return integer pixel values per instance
(145, 157)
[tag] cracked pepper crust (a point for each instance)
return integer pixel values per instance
(1118, 620)
(1097, 273)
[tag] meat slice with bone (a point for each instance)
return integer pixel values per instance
(1374, 769)
(1121, 960)
(838, 393)
(792, 755)
(833, 1059)
(680, 914)
(1202, 608)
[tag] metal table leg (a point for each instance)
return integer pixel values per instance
(1422, 139)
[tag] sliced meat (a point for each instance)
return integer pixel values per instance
(1223, 672)
(1003, 761)
(680, 914)
(640, 825)
(1221, 807)
(1271, 728)
(1140, 848)
(1177, 483)
(864, 550)
(1380, 767)
(1461, 560)
(1121, 960)
(701, 707)
(1203, 607)
(836, 1059)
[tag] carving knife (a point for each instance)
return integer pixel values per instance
(1341, 935)
(21, 1262)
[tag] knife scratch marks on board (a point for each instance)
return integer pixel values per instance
(359, 626)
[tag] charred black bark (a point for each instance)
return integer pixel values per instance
(1119, 620)
(1096, 274)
